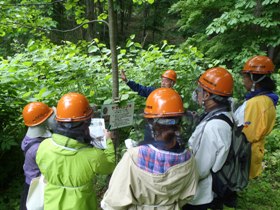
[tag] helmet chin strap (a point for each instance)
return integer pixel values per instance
(255, 82)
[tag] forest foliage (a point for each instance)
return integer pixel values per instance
(48, 49)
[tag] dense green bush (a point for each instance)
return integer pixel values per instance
(45, 71)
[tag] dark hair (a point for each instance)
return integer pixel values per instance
(222, 101)
(267, 83)
(75, 130)
(168, 132)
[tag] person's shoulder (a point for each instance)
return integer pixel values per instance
(259, 101)
(133, 150)
(218, 123)
(44, 144)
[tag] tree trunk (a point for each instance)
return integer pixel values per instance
(121, 19)
(154, 19)
(145, 16)
(112, 36)
(129, 14)
(115, 88)
(257, 13)
(90, 16)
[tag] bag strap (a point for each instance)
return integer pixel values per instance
(231, 124)
(224, 118)
(208, 115)
(212, 117)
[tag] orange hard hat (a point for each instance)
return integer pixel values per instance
(217, 81)
(35, 113)
(73, 107)
(170, 74)
(163, 102)
(259, 65)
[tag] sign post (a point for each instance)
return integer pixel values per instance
(116, 116)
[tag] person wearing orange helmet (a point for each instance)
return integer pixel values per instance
(168, 80)
(211, 139)
(40, 121)
(68, 161)
(160, 175)
(257, 114)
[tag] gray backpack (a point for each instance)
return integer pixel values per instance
(234, 174)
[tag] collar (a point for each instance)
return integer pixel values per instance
(252, 94)
(163, 146)
(259, 92)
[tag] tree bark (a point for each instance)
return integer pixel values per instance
(90, 16)
(121, 19)
(112, 36)
(145, 16)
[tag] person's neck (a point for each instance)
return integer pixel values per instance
(210, 105)
(169, 145)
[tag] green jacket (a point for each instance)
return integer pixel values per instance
(70, 167)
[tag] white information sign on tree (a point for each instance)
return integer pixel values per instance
(117, 116)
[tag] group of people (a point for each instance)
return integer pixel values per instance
(66, 158)
(159, 173)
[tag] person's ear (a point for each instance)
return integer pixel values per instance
(206, 95)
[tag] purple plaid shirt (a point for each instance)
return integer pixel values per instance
(158, 161)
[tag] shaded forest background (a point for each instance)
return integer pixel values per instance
(51, 47)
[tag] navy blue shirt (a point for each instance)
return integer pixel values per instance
(140, 89)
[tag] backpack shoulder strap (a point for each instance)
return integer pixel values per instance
(221, 117)
(224, 118)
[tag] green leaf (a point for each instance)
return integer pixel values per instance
(79, 21)
(123, 51)
(68, 6)
(27, 63)
(2, 33)
(102, 16)
(107, 101)
(26, 94)
(93, 49)
(125, 97)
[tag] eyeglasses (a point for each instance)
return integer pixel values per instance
(166, 80)
(198, 89)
